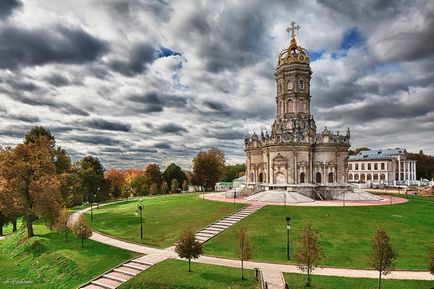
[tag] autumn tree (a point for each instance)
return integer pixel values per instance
(81, 229)
(31, 181)
(308, 252)
(208, 168)
(61, 223)
(153, 175)
(139, 185)
(244, 250)
(382, 254)
(91, 173)
(188, 247)
(171, 172)
(174, 186)
(116, 182)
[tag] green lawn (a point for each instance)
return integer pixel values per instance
(298, 281)
(345, 233)
(172, 274)
(47, 261)
(164, 218)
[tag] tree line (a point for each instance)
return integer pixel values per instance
(38, 179)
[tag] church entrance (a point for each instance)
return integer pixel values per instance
(330, 177)
(280, 178)
(318, 178)
(261, 177)
(302, 178)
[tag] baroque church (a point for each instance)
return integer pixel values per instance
(294, 156)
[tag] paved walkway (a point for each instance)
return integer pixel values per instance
(271, 270)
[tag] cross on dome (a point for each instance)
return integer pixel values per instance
(292, 29)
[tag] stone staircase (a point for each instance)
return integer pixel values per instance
(216, 228)
(115, 277)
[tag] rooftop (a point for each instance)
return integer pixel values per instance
(380, 154)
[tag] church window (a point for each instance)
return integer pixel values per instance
(375, 177)
(362, 177)
(382, 177)
(318, 177)
(356, 177)
(261, 176)
(300, 85)
(330, 177)
(369, 177)
(302, 178)
(290, 106)
(382, 166)
(375, 166)
(290, 85)
(350, 177)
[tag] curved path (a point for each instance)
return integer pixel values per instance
(155, 255)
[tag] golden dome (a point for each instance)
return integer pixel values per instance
(294, 53)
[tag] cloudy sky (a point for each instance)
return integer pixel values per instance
(139, 81)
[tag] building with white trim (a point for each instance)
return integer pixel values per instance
(389, 166)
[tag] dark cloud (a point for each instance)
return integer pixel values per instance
(103, 124)
(57, 80)
(140, 56)
(8, 6)
(172, 128)
(95, 139)
(21, 85)
(155, 101)
(26, 47)
(163, 145)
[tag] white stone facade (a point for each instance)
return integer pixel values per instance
(389, 166)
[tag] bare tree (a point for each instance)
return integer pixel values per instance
(308, 252)
(382, 254)
(244, 250)
(188, 247)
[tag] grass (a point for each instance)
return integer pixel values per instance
(298, 281)
(345, 233)
(164, 218)
(47, 261)
(172, 274)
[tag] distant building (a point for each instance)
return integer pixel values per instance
(223, 186)
(239, 181)
(389, 166)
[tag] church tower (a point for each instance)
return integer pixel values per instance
(294, 156)
(293, 120)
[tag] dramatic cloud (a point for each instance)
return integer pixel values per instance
(134, 81)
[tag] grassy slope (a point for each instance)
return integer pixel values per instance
(163, 218)
(171, 274)
(345, 233)
(47, 261)
(298, 281)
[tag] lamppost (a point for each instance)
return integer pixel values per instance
(97, 199)
(140, 207)
(235, 195)
(284, 198)
(288, 227)
(91, 211)
(204, 190)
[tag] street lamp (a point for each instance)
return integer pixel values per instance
(288, 227)
(235, 195)
(284, 197)
(91, 211)
(140, 207)
(97, 200)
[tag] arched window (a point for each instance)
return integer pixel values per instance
(302, 178)
(350, 177)
(330, 177)
(356, 177)
(362, 177)
(279, 138)
(261, 176)
(290, 106)
(369, 177)
(300, 85)
(382, 177)
(375, 177)
(318, 177)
